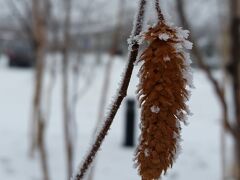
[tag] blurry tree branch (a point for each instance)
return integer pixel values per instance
(234, 72)
(233, 69)
(107, 74)
(200, 60)
(234, 65)
(36, 31)
(23, 21)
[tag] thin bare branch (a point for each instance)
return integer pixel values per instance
(24, 23)
(121, 94)
(159, 11)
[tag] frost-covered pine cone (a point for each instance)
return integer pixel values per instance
(165, 77)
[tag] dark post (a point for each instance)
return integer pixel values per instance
(129, 123)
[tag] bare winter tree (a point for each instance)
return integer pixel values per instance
(67, 120)
(39, 27)
(106, 83)
(121, 94)
(233, 69)
(35, 30)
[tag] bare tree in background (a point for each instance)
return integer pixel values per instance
(39, 27)
(35, 30)
(67, 120)
(233, 69)
(121, 94)
(108, 71)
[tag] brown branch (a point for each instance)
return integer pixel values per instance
(200, 60)
(121, 94)
(42, 147)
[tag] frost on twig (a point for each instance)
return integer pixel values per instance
(117, 102)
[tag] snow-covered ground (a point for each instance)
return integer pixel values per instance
(200, 157)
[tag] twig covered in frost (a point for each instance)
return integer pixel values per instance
(121, 94)
(158, 10)
(107, 75)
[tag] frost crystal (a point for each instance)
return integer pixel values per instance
(182, 34)
(178, 47)
(155, 109)
(164, 36)
(187, 44)
(187, 58)
(170, 24)
(135, 39)
(187, 75)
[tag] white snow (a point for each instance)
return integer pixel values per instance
(200, 157)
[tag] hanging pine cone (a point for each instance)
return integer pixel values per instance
(162, 92)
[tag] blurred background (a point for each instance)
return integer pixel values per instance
(61, 62)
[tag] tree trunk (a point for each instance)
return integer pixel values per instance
(234, 71)
(65, 92)
(39, 30)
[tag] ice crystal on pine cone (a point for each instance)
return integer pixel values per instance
(165, 76)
